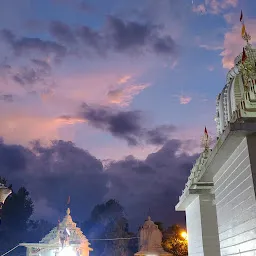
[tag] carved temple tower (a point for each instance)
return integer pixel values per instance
(65, 239)
(151, 240)
(219, 197)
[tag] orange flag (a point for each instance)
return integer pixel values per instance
(243, 30)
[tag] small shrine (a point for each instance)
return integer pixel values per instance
(151, 240)
(64, 240)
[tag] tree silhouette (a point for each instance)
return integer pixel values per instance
(16, 213)
(108, 221)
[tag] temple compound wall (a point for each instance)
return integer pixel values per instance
(219, 197)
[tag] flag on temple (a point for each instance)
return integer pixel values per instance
(244, 56)
(243, 30)
(241, 16)
(205, 132)
(68, 202)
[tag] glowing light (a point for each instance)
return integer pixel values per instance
(67, 251)
(184, 235)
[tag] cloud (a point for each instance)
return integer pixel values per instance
(233, 43)
(124, 96)
(151, 183)
(62, 32)
(218, 6)
(199, 8)
(214, 6)
(124, 79)
(117, 35)
(164, 45)
(92, 39)
(211, 47)
(185, 99)
(128, 35)
(53, 173)
(61, 169)
(6, 97)
(126, 125)
(25, 45)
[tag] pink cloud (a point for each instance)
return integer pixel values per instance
(185, 99)
(217, 6)
(233, 43)
(124, 79)
(124, 96)
(211, 47)
(35, 116)
(199, 8)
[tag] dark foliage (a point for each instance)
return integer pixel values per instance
(173, 241)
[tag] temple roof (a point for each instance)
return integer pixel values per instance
(76, 235)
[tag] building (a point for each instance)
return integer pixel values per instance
(151, 240)
(64, 240)
(219, 197)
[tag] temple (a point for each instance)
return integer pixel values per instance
(219, 197)
(65, 239)
(150, 240)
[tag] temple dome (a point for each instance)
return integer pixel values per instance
(76, 235)
(149, 222)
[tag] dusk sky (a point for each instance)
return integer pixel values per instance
(108, 99)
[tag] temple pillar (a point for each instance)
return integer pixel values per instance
(28, 252)
(199, 204)
(202, 226)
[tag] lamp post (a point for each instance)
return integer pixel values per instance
(4, 193)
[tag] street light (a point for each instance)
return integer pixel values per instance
(184, 235)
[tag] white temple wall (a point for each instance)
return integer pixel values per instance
(202, 227)
(210, 227)
(235, 201)
(194, 229)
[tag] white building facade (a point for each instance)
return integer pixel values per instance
(219, 197)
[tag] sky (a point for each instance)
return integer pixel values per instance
(109, 99)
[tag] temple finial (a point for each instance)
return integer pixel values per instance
(149, 214)
(68, 211)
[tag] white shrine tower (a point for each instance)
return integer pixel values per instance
(64, 240)
(151, 240)
(219, 197)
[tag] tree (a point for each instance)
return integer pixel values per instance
(174, 242)
(108, 221)
(37, 229)
(16, 213)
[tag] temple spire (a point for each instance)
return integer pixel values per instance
(205, 140)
